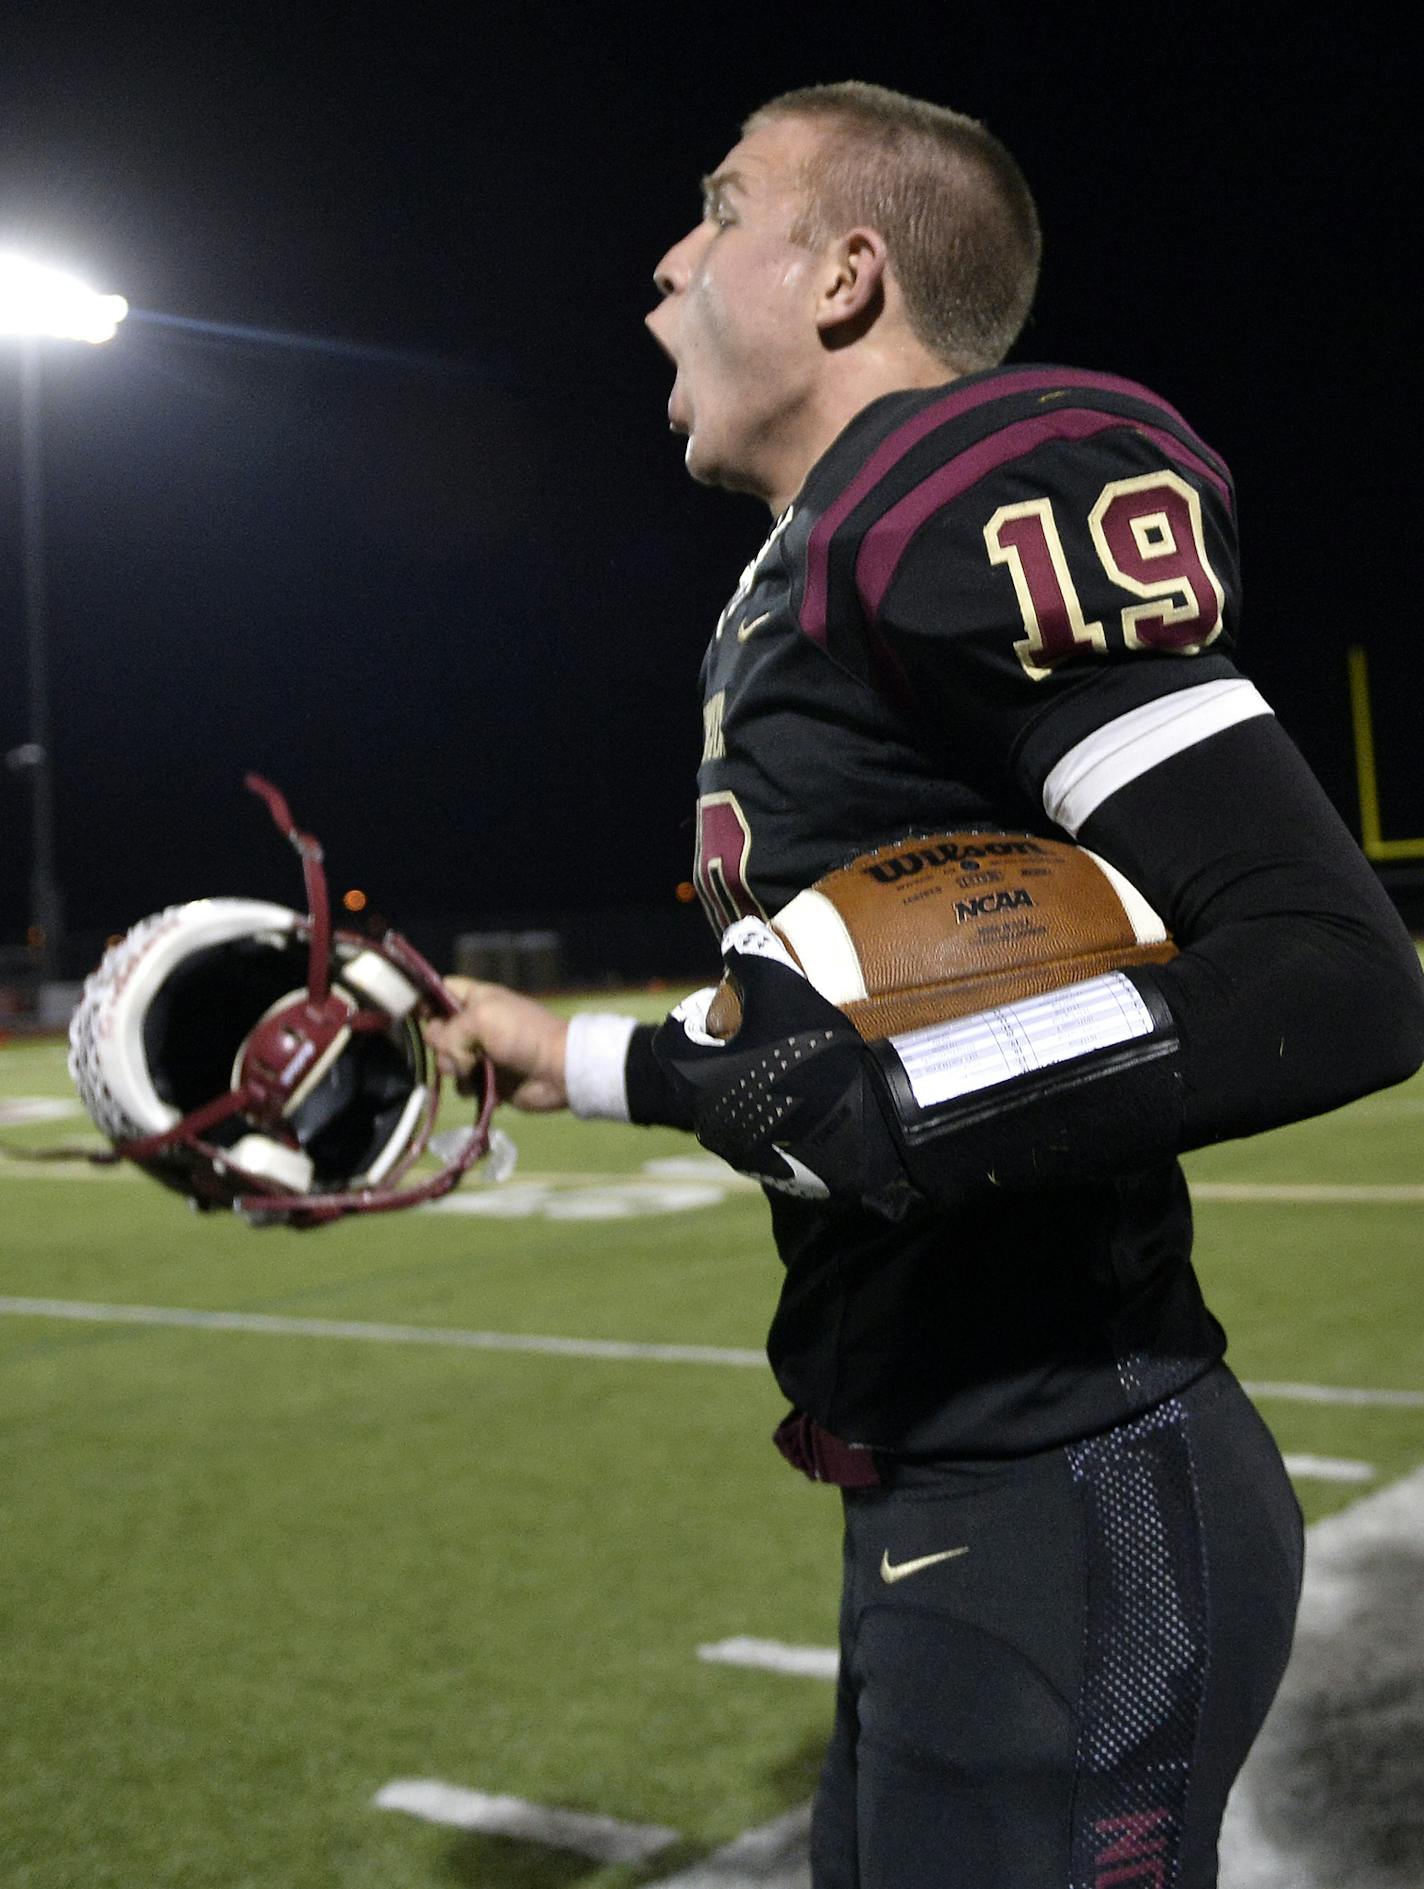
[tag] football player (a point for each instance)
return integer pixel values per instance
(992, 597)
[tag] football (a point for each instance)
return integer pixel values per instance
(936, 927)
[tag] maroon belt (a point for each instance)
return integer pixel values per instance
(811, 1448)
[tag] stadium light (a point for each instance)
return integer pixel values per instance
(36, 303)
(39, 304)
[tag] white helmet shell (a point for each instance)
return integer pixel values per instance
(135, 1047)
(106, 1048)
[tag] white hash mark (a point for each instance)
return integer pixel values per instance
(605, 1839)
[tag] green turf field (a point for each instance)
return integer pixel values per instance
(250, 1576)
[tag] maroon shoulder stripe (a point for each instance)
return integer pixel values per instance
(889, 537)
(958, 401)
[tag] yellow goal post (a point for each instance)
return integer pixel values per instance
(1362, 720)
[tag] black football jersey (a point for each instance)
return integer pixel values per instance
(975, 582)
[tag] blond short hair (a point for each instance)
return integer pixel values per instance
(957, 217)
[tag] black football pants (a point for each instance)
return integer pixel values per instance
(1052, 1668)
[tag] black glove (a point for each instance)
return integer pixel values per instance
(794, 1098)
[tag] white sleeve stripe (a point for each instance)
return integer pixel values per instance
(594, 1064)
(1142, 739)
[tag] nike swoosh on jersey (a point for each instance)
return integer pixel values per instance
(744, 630)
(890, 1572)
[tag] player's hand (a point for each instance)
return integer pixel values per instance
(790, 1099)
(524, 1040)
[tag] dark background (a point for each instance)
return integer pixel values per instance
(449, 584)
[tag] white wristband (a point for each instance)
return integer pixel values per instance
(594, 1064)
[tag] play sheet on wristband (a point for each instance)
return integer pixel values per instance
(946, 1060)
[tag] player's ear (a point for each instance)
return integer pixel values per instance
(853, 285)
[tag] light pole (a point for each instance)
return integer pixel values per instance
(36, 304)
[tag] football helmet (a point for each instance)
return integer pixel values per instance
(250, 1057)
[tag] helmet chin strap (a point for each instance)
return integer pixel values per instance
(308, 850)
(283, 1047)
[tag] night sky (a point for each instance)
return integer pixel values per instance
(447, 581)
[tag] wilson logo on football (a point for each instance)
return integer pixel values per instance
(886, 871)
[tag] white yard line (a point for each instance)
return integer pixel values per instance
(773, 1656)
(274, 1325)
(37, 1108)
(269, 1325)
(1311, 1193)
(772, 1856)
(1330, 1468)
(1333, 1394)
(605, 1839)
